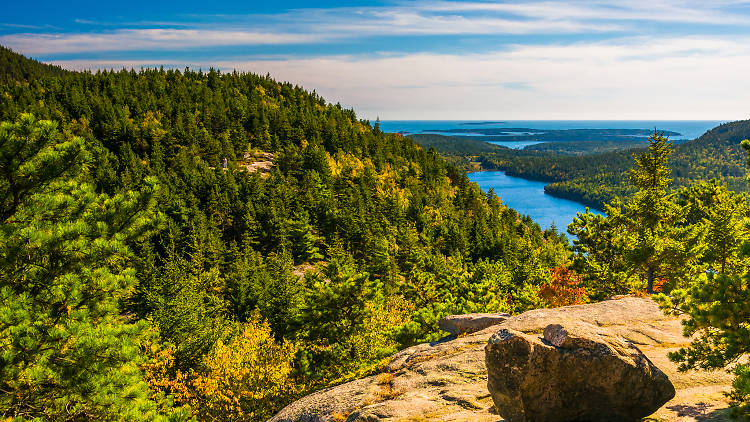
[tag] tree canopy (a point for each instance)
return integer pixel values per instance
(324, 239)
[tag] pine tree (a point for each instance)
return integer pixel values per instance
(66, 350)
(651, 213)
(717, 302)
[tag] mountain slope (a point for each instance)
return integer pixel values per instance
(15, 67)
(714, 155)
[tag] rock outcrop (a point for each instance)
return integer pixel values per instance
(447, 381)
(470, 323)
(575, 371)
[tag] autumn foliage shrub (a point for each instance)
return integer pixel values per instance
(564, 288)
(659, 284)
(248, 378)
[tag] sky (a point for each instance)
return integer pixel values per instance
(398, 60)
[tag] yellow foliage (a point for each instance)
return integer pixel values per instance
(375, 340)
(434, 216)
(347, 164)
(384, 378)
(248, 378)
(388, 187)
(338, 417)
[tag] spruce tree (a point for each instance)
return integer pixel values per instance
(651, 213)
(636, 240)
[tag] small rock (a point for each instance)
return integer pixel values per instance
(572, 337)
(577, 371)
(470, 323)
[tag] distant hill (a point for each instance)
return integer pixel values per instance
(14, 66)
(455, 144)
(595, 179)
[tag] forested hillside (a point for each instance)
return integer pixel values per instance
(714, 155)
(15, 67)
(323, 246)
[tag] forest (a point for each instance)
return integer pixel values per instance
(190, 245)
(227, 291)
(517, 134)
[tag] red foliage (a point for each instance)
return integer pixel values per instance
(565, 288)
(659, 284)
(658, 288)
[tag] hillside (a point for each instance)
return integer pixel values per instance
(15, 67)
(714, 155)
(292, 237)
(586, 147)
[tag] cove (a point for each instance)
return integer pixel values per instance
(527, 197)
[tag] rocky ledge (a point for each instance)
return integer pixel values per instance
(470, 323)
(447, 381)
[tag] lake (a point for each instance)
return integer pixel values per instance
(515, 144)
(527, 196)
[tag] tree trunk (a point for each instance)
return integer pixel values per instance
(650, 285)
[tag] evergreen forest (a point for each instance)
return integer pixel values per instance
(180, 243)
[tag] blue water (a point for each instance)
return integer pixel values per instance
(526, 196)
(690, 129)
(515, 144)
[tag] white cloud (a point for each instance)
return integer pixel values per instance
(423, 19)
(685, 11)
(146, 39)
(642, 78)
(314, 25)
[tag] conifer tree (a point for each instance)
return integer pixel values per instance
(651, 213)
(66, 350)
(636, 240)
(717, 302)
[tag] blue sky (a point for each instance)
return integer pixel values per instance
(537, 59)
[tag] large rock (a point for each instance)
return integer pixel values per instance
(575, 371)
(470, 323)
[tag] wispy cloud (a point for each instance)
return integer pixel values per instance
(15, 25)
(633, 78)
(424, 18)
(147, 39)
(685, 11)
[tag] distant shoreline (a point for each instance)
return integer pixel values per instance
(481, 123)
